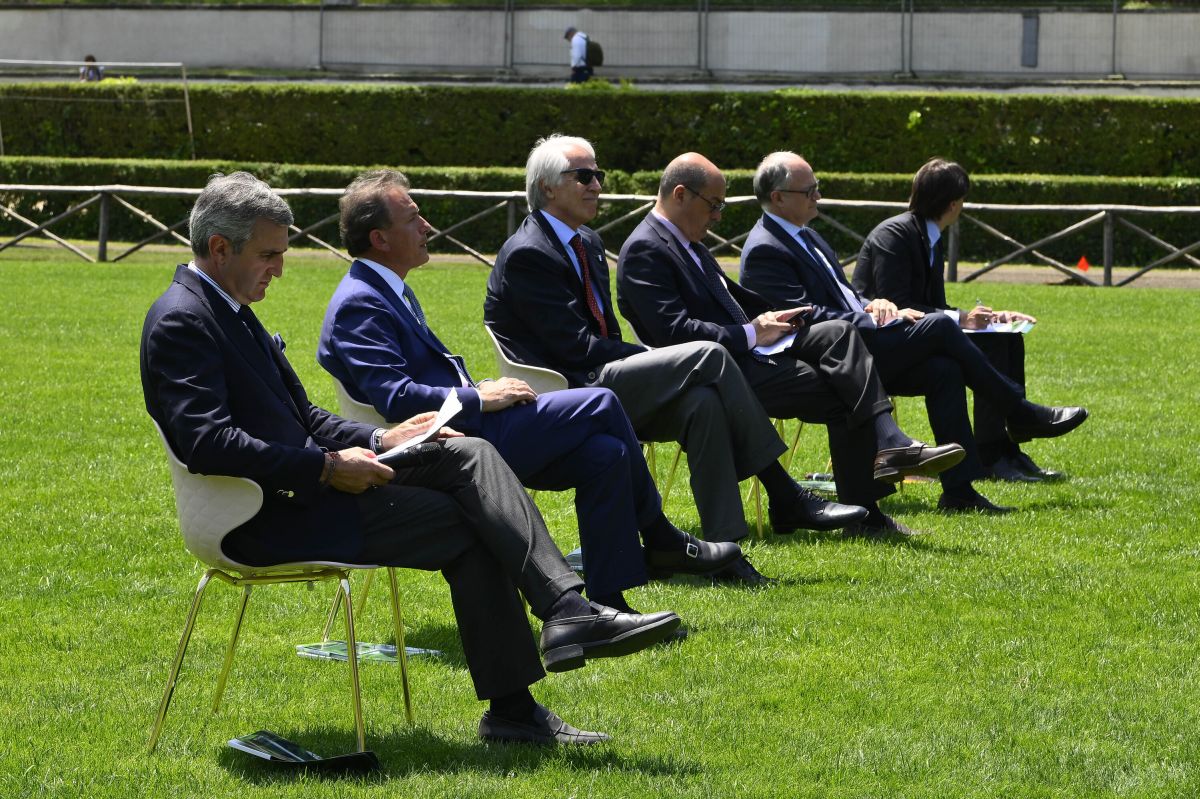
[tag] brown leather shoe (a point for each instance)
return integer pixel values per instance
(893, 465)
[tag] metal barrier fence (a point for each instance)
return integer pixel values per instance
(110, 198)
(905, 38)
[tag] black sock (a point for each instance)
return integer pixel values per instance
(778, 483)
(888, 434)
(662, 536)
(571, 603)
(517, 706)
(615, 600)
(960, 490)
(1027, 411)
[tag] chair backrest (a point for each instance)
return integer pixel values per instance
(209, 506)
(539, 378)
(355, 411)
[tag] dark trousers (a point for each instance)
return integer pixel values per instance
(934, 358)
(828, 377)
(581, 74)
(466, 514)
(1005, 352)
(580, 438)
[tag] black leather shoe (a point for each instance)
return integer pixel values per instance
(696, 557)
(1059, 421)
(894, 464)
(1006, 469)
(809, 511)
(546, 729)
(742, 572)
(569, 643)
(1026, 464)
(974, 502)
(880, 527)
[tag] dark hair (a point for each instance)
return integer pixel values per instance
(937, 184)
(364, 209)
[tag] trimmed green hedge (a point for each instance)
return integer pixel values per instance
(488, 126)
(488, 234)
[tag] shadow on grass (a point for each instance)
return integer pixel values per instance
(413, 750)
(920, 543)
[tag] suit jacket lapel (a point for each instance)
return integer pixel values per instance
(595, 261)
(683, 261)
(397, 306)
(247, 347)
(807, 260)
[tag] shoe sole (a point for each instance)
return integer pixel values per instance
(568, 658)
(929, 468)
(1066, 428)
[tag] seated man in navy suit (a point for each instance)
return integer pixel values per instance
(672, 290)
(548, 303)
(229, 403)
(916, 353)
(378, 342)
(902, 261)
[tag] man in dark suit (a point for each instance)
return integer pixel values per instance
(902, 261)
(229, 403)
(672, 290)
(548, 303)
(790, 264)
(378, 342)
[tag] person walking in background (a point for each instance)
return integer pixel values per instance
(581, 71)
(91, 71)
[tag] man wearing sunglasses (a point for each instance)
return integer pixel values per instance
(549, 304)
(672, 290)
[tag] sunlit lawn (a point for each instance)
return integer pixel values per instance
(1051, 652)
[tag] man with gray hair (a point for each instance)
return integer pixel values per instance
(916, 353)
(229, 403)
(548, 302)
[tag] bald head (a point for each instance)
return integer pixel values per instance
(691, 194)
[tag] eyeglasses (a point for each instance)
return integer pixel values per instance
(809, 192)
(585, 175)
(716, 206)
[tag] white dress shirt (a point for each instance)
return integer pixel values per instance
(579, 49)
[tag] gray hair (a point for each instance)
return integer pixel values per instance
(229, 206)
(545, 165)
(691, 174)
(363, 207)
(772, 174)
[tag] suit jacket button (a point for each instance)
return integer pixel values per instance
(591, 376)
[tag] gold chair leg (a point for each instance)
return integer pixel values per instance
(352, 658)
(757, 488)
(333, 614)
(648, 454)
(233, 639)
(401, 650)
(795, 446)
(362, 593)
(175, 665)
(671, 474)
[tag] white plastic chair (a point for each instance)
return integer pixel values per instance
(209, 507)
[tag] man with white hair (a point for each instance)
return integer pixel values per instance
(549, 304)
(229, 403)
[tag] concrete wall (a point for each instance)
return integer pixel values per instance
(636, 43)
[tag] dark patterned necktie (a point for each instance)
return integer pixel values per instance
(588, 294)
(805, 235)
(258, 332)
(712, 275)
(414, 306)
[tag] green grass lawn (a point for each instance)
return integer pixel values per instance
(1051, 652)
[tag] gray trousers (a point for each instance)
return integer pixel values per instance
(466, 514)
(695, 394)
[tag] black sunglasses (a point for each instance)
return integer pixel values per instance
(716, 207)
(809, 192)
(585, 175)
